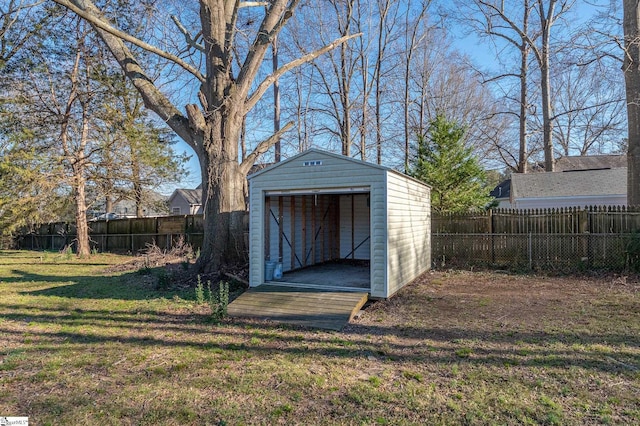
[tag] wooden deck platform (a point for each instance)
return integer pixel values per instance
(312, 308)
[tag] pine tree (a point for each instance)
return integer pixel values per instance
(456, 178)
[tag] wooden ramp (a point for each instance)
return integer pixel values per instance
(312, 308)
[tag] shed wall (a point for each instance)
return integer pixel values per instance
(409, 230)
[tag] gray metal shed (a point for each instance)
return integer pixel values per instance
(336, 222)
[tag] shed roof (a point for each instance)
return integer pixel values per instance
(567, 184)
(355, 161)
(314, 151)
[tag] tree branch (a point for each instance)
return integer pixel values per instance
(153, 98)
(267, 82)
(276, 16)
(253, 3)
(262, 147)
(80, 7)
(191, 41)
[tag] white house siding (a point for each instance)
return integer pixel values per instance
(409, 230)
(336, 174)
(181, 203)
(575, 201)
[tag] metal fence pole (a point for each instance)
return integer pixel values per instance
(530, 252)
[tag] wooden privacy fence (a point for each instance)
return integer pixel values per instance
(119, 235)
(569, 238)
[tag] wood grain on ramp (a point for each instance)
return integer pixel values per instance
(300, 306)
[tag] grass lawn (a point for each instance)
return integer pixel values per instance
(82, 346)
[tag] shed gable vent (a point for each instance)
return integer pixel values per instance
(312, 163)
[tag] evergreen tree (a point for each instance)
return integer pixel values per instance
(457, 180)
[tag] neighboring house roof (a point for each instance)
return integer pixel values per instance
(590, 162)
(568, 184)
(502, 190)
(191, 196)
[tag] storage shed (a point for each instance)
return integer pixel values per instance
(330, 221)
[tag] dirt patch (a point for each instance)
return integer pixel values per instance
(486, 303)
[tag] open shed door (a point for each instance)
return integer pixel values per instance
(322, 238)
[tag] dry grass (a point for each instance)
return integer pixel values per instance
(86, 347)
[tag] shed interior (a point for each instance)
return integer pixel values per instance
(321, 238)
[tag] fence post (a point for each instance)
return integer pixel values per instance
(131, 234)
(493, 238)
(186, 230)
(583, 230)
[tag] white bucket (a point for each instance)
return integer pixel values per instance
(269, 267)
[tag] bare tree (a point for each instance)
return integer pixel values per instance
(227, 92)
(518, 34)
(502, 20)
(415, 34)
(588, 104)
(61, 92)
(336, 73)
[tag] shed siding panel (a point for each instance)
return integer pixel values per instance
(361, 227)
(409, 230)
(256, 237)
(378, 217)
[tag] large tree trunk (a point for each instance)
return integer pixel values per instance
(82, 228)
(137, 194)
(522, 152)
(547, 125)
(631, 69)
(223, 197)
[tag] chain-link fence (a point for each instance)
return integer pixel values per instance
(553, 252)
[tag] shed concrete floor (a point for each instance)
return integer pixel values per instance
(340, 274)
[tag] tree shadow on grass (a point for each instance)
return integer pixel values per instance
(239, 339)
(127, 286)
